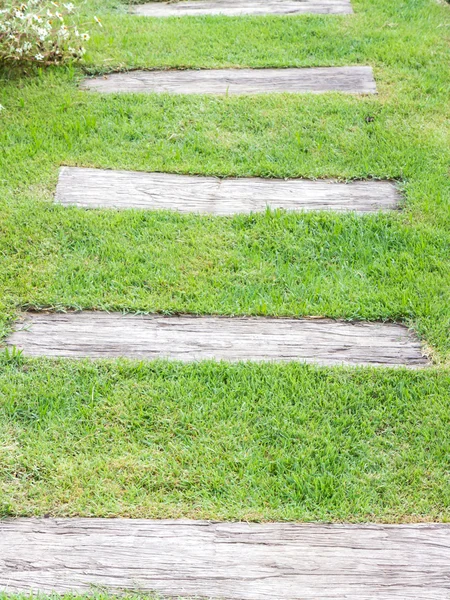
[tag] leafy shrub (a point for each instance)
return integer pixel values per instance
(40, 31)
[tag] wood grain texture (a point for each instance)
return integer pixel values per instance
(236, 561)
(349, 80)
(236, 8)
(97, 188)
(190, 338)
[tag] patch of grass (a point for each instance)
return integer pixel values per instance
(232, 441)
(220, 441)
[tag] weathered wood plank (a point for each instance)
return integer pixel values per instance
(190, 338)
(237, 561)
(235, 8)
(96, 188)
(231, 82)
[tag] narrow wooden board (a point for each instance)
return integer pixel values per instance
(96, 188)
(190, 338)
(236, 8)
(237, 561)
(233, 82)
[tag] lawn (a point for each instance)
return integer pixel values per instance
(245, 441)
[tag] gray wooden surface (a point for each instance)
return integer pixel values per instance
(236, 561)
(189, 338)
(351, 80)
(233, 8)
(97, 188)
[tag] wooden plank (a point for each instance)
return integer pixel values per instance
(231, 82)
(96, 188)
(236, 8)
(190, 338)
(237, 561)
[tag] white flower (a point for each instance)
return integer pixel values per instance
(2, 107)
(35, 31)
(42, 33)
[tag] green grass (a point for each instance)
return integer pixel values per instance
(244, 441)
(252, 442)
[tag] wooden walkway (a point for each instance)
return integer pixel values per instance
(97, 188)
(231, 82)
(189, 338)
(235, 8)
(234, 561)
(237, 561)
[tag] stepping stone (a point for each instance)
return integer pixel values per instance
(234, 82)
(189, 338)
(235, 8)
(96, 188)
(237, 561)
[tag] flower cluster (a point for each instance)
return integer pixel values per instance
(41, 31)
